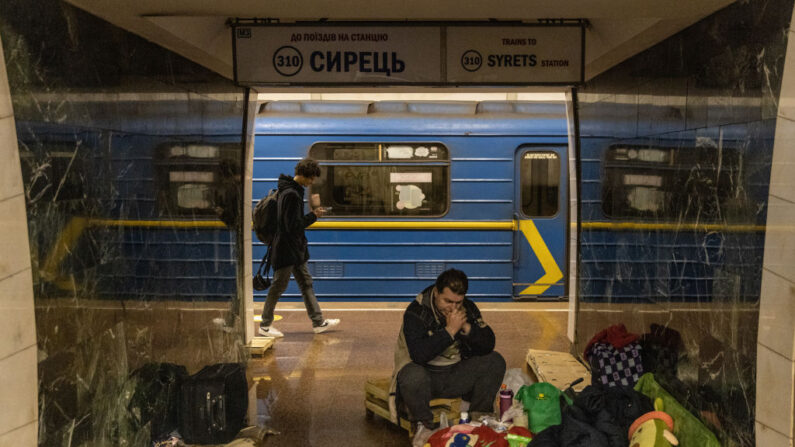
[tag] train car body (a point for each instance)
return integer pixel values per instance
(416, 188)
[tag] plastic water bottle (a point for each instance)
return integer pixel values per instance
(464, 418)
(506, 399)
(443, 423)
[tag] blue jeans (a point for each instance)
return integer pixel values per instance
(281, 278)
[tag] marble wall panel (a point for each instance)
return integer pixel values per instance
(782, 181)
(775, 372)
(777, 315)
(780, 243)
(12, 241)
(125, 151)
(10, 180)
(786, 101)
(662, 106)
(695, 106)
(16, 369)
(766, 436)
(25, 435)
(5, 96)
(17, 316)
(17, 333)
(616, 112)
(776, 417)
(696, 267)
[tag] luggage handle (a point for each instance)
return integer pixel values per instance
(216, 412)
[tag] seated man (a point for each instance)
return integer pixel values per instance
(444, 350)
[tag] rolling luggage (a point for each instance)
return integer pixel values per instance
(213, 404)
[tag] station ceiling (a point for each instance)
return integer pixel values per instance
(198, 30)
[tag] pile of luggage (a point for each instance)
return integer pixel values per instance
(624, 405)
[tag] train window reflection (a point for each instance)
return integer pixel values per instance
(197, 179)
(191, 176)
(382, 179)
(194, 195)
(195, 151)
(540, 181)
(642, 198)
(677, 183)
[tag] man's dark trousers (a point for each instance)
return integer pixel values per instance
(476, 379)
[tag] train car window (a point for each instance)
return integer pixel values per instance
(196, 179)
(383, 179)
(677, 183)
(539, 182)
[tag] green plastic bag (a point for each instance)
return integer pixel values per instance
(541, 402)
(687, 428)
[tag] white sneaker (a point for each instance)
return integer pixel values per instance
(328, 323)
(270, 332)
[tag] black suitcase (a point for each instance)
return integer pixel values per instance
(213, 404)
(155, 400)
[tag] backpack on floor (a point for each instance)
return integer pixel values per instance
(155, 400)
(265, 217)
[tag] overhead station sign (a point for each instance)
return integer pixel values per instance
(514, 55)
(408, 54)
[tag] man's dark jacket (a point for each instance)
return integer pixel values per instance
(426, 336)
(289, 245)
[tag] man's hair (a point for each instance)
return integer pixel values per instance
(308, 168)
(456, 280)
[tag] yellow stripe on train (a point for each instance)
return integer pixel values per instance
(77, 225)
(552, 272)
(643, 226)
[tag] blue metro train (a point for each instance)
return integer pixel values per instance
(414, 188)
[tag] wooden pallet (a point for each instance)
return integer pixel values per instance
(259, 345)
(376, 402)
(558, 368)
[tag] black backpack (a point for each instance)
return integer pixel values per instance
(155, 400)
(265, 217)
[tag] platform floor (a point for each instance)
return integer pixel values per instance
(310, 387)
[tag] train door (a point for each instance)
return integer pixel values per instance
(540, 211)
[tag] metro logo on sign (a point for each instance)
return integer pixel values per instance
(471, 60)
(287, 61)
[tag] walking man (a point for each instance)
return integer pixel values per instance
(289, 251)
